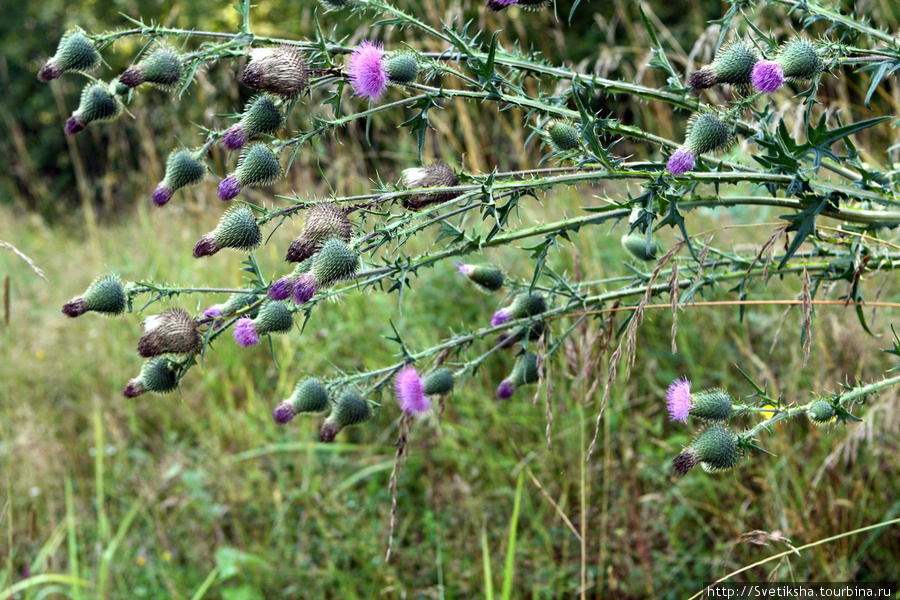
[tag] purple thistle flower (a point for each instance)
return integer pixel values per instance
(498, 5)
(229, 188)
(162, 194)
(368, 77)
(245, 333)
(505, 390)
(281, 289)
(767, 76)
(410, 397)
(678, 400)
(213, 312)
(305, 287)
(463, 268)
(681, 162)
(500, 317)
(74, 125)
(234, 138)
(283, 412)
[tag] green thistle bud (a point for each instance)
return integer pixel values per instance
(336, 261)
(563, 135)
(402, 67)
(440, 381)
(821, 412)
(525, 370)
(262, 115)
(105, 295)
(182, 170)
(706, 133)
(97, 104)
(310, 396)
(282, 71)
(238, 302)
(163, 67)
(800, 60)
(323, 221)
(711, 406)
(273, 317)
(76, 52)
(258, 166)
(349, 409)
(159, 374)
(640, 246)
(716, 449)
(488, 278)
(172, 331)
(237, 229)
(733, 65)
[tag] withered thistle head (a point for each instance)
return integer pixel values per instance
(282, 71)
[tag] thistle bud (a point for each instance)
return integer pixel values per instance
(257, 166)
(821, 412)
(162, 67)
(105, 295)
(335, 262)
(349, 409)
(438, 174)
(237, 229)
(707, 133)
(309, 396)
(716, 449)
(282, 71)
(75, 52)
(562, 134)
(733, 65)
(711, 406)
(97, 104)
(262, 116)
(171, 331)
(525, 304)
(438, 382)
(241, 302)
(159, 374)
(182, 170)
(524, 372)
(273, 317)
(402, 67)
(323, 221)
(640, 246)
(800, 59)
(488, 278)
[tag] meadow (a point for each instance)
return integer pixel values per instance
(198, 494)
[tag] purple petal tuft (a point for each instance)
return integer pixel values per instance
(245, 332)
(281, 289)
(162, 194)
(410, 396)
(767, 76)
(283, 412)
(500, 317)
(505, 390)
(229, 188)
(305, 287)
(681, 162)
(678, 400)
(234, 138)
(368, 77)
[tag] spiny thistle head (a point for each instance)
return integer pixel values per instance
(97, 104)
(75, 52)
(716, 449)
(706, 132)
(173, 331)
(410, 392)
(274, 317)
(800, 59)
(349, 409)
(641, 246)
(262, 116)
(821, 412)
(678, 400)
(488, 278)
(335, 262)
(162, 67)
(438, 382)
(183, 169)
(323, 221)
(438, 174)
(237, 229)
(402, 67)
(159, 374)
(105, 295)
(239, 302)
(733, 65)
(562, 134)
(282, 71)
(258, 166)
(711, 406)
(524, 372)
(309, 396)
(525, 304)
(366, 71)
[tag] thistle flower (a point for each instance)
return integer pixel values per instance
(162, 67)
(367, 73)
(237, 229)
(706, 132)
(678, 400)
(309, 396)
(273, 317)
(349, 409)
(562, 135)
(525, 304)
(282, 71)
(681, 161)
(402, 67)
(213, 312)
(105, 295)
(97, 104)
(303, 288)
(410, 392)
(182, 170)
(261, 116)
(281, 289)
(716, 449)
(733, 65)
(821, 412)
(75, 52)
(524, 372)
(641, 246)
(323, 221)
(159, 374)
(488, 278)
(257, 166)
(767, 76)
(173, 331)
(438, 174)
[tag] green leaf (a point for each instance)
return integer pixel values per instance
(804, 223)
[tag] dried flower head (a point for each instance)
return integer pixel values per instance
(438, 175)
(173, 331)
(282, 71)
